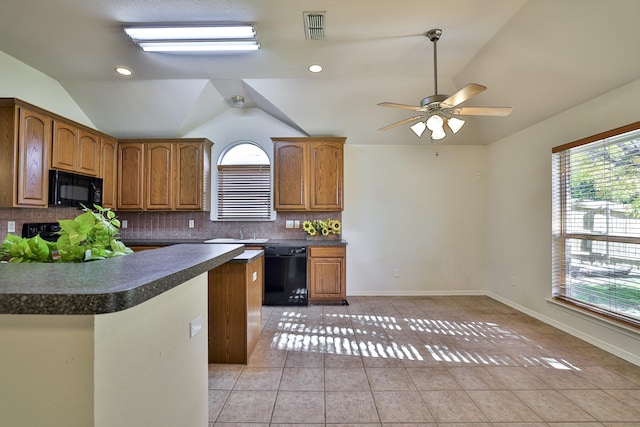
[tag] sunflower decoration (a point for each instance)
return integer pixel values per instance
(324, 227)
(309, 228)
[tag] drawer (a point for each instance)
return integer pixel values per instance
(327, 251)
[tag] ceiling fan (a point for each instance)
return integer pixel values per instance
(437, 112)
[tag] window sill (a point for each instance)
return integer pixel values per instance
(619, 326)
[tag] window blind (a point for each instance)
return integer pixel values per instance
(596, 224)
(244, 192)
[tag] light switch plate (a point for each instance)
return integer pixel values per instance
(11, 226)
(255, 276)
(289, 223)
(195, 326)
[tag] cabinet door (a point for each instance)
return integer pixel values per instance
(326, 176)
(34, 140)
(158, 176)
(88, 156)
(327, 271)
(130, 176)
(64, 145)
(109, 172)
(188, 170)
(290, 175)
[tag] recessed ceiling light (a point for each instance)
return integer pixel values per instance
(124, 71)
(315, 68)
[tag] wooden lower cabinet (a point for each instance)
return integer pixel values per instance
(327, 274)
(235, 308)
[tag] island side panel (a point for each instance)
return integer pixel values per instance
(46, 370)
(149, 372)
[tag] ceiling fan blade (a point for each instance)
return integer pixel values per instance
(404, 106)
(401, 122)
(470, 90)
(479, 111)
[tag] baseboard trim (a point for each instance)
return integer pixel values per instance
(629, 357)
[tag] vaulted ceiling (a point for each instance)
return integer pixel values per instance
(539, 56)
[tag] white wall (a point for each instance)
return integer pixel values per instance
(46, 370)
(148, 371)
(239, 125)
(419, 209)
(18, 80)
(519, 215)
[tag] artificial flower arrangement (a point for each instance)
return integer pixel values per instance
(329, 226)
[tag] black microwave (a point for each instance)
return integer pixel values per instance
(72, 189)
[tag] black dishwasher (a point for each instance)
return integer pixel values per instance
(285, 275)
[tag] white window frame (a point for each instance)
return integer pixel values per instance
(588, 279)
(214, 180)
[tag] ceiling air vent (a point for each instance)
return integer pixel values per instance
(314, 25)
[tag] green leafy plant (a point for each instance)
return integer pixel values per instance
(89, 236)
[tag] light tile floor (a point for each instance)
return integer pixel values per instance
(428, 361)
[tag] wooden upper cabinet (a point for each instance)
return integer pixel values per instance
(109, 172)
(88, 157)
(158, 176)
(165, 174)
(191, 175)
(326, 176)
(290, 175)
(65, 142)
(74, 149)
(24, 155)
(309, 174)
(130, 176)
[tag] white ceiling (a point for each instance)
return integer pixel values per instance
(539, 56)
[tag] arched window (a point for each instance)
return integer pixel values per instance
(244, 183)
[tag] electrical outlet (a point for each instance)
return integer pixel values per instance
(296, 223)
(124, 223)
(289, 223)
(11, 226)
(396, 273)
(192, 223)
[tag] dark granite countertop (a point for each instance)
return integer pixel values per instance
(105, 286)
(248, 256)
(270, 242)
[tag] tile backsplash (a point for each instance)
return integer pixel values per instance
(173, 225)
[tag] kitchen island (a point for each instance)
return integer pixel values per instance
(119, 342)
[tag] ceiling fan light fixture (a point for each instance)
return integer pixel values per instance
(418, 128)
(455, 124)
(438, 134)
(238, 101)
(441, 107)
(435, 122)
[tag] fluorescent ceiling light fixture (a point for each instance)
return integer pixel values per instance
(194, 38)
